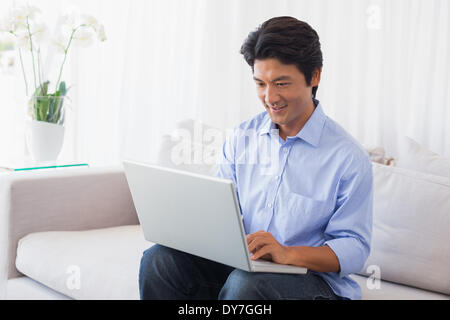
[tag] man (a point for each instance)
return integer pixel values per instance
(311, 208)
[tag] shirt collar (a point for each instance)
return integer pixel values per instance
(311, 131)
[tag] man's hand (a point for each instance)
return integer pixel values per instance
(264, 246)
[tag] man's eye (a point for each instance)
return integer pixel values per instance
(282, 84)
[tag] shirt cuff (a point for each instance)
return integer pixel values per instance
(350, 254)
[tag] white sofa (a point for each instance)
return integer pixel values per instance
(74, 234)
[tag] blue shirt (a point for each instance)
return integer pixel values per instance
(313, 189)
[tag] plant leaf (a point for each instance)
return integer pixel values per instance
(62, 88)
(42, 106)
(57, 111)
(45, 88)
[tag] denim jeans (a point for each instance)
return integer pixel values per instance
(168, 274)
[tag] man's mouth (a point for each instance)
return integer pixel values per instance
(277, 109)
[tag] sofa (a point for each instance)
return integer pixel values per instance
(74, 234)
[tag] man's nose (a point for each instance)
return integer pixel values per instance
(271, 97)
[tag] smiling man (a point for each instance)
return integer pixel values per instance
(312, 209)
(285, 94)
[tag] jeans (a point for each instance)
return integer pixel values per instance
(168, 274)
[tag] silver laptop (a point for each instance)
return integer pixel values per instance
(194, 213)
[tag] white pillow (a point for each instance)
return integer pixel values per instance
(193, 146)
(411, 223)
(91, 264)
(414, 156)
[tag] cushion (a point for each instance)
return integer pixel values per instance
(25, 288)
(416, 157)
(91, 264)
(193, 146)
(411, 226)
(385, 290)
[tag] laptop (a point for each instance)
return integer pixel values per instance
(194, 213)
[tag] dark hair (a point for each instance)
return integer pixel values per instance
(289, 40)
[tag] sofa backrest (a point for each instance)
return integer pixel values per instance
(411, 228)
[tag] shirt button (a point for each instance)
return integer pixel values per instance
(276, 177)
(269, 205)
(285, 150)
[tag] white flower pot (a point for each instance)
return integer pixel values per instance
(44, 140)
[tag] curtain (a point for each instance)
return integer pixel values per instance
(386, 72)
(385, 75)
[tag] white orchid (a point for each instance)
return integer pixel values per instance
(99, 29)
(89, 21)
(8, 25)
(24, 24)
(25, 11)
(83, 38)
(39, 32)
(68, 21)
(22, 41)
(59, 42)
(30, 32)
(101, 35)
(79, 28)
(21, 17)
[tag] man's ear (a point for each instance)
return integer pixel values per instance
(315, 79)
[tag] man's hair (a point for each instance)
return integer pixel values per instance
(289, 40)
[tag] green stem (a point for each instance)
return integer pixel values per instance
(23, 72)
(39, 67)
(65, 56)
(32, 54)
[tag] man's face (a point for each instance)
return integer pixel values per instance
(284, 93)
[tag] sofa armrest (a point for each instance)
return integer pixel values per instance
(57, 200)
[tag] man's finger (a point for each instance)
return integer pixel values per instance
(262, 252)
(251, 236)
(258, 242)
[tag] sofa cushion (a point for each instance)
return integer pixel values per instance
(385, 290)
(25, 288)
(411, 226)
(91, 264)
(414, 156)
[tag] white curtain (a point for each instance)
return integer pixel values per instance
(386, 71)
(386, 67)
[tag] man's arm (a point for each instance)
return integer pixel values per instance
(321, 259)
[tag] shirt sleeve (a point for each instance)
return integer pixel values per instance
(349, 230)
(227, 167)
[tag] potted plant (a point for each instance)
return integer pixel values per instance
(47, 102)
